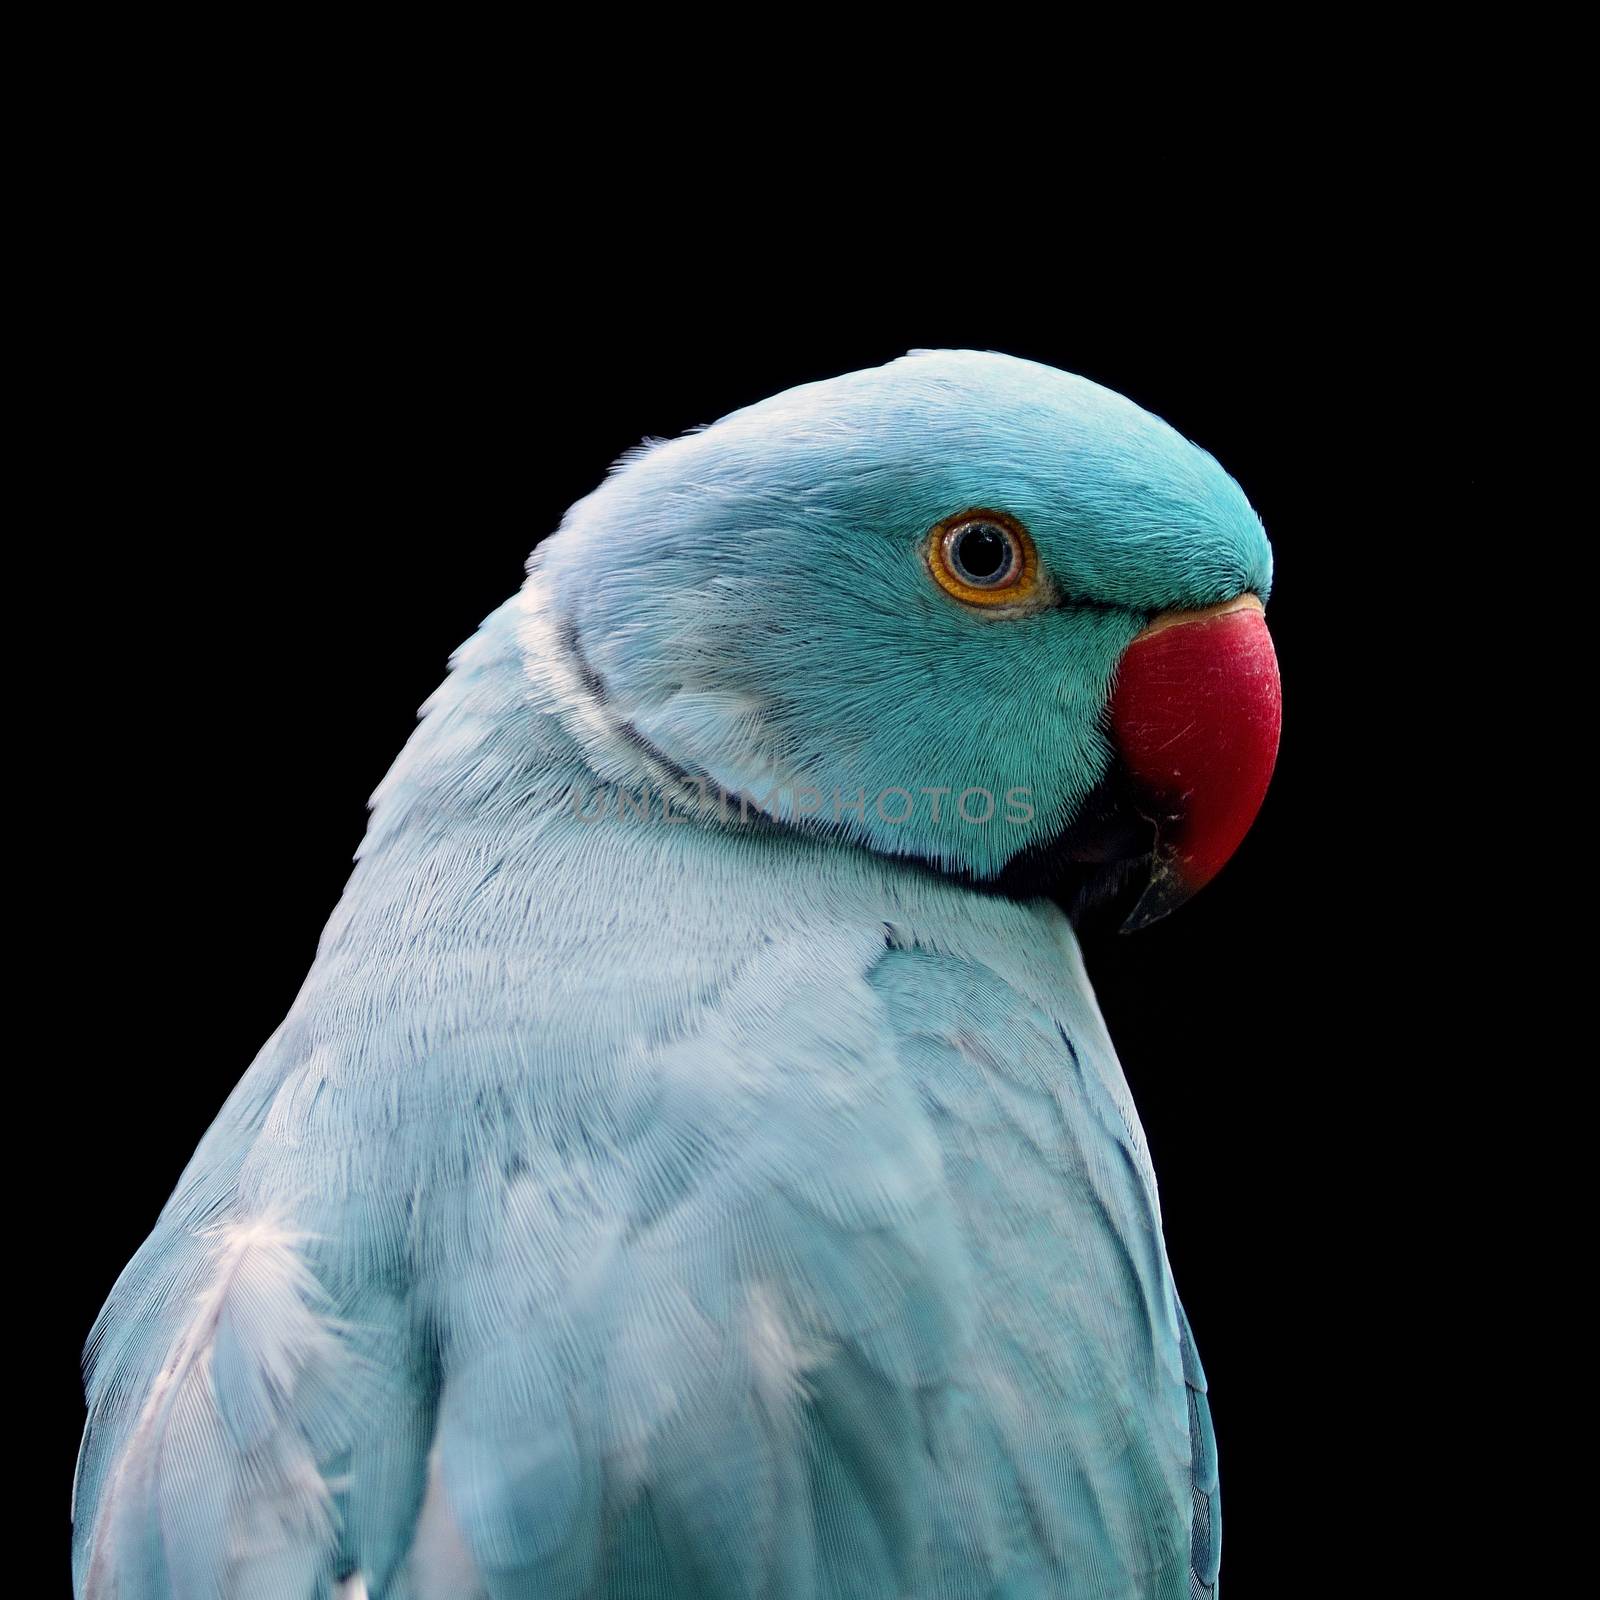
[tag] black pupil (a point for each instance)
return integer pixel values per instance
(982, 552)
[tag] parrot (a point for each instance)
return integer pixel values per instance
(696, 1163)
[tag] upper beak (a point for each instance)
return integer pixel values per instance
(1195, 715)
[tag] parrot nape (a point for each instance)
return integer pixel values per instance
(695, 1164)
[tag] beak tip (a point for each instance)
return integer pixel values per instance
(1163, 894)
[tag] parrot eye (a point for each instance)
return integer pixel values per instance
(984, 558)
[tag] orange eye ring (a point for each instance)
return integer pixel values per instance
(983, 558)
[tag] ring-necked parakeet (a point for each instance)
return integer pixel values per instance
(695, 1164)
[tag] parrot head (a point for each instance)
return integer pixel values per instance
(962, 608)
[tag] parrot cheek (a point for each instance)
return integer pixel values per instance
(1195, 716)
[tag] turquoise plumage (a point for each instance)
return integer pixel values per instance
(743, 1199)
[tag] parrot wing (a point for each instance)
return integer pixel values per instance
(860, 1291)
(842, 1279)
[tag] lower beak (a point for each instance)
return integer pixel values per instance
(1195, 715)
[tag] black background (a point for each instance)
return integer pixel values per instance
(312, 452)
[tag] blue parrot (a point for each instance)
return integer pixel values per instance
(696, 1164)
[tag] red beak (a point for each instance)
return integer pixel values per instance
(1195, 715)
